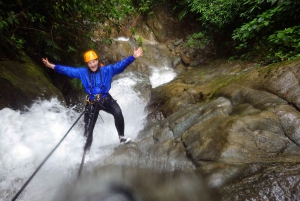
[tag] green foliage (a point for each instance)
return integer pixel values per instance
(145, 6)
(198, 40)
(133, 31)
(250, 29)
(140, 41)
(77, 84)
(213, 15)
(62, 29)
(17, 42)
(272, 30)
(289, 37)
(59, 29)
(11, 18)
(252, 8)
(286, 43)
(264, 28)
(216, 13)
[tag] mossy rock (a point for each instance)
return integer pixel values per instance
(23, 83)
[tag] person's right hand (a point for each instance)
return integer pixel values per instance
(138, 52)
(47, 63)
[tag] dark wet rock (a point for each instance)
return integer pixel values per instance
(124, 155)
(144, 89)
(185, 59)
(178, 42)
(165, 24)
(270, 181)
(180, 69)
(23, 83)
(154, 56)
(198, 61)
(135, 184)
(290, 120)
(233, 125)
(164, 155)
(176, 62)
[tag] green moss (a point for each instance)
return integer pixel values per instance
(26, 81)
(221, 82)
(265, 70)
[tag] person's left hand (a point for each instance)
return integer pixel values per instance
(138, 52)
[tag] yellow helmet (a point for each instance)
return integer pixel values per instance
(90, 55)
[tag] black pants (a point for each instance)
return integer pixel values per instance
(91, 115)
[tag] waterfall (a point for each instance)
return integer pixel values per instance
(161, 76)
(26, 138)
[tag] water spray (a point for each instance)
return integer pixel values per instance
(39, 167)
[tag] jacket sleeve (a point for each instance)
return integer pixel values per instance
(68, 70)
(120, 66)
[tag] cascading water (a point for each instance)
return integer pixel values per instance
(161, 76)
(27, 138)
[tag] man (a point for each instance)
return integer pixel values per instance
(97, 80)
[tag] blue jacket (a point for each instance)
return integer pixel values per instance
(98, 82)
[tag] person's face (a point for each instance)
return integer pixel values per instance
(93, 65)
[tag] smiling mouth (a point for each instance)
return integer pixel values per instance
(93, 68)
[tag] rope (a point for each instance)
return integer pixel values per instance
(86, 147)
(31, 177)
(82, 162)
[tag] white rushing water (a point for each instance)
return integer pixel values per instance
(161, 76)
(27, 138)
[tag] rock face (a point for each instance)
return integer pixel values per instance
(165, 25)
(132, 184)
(248, 119)
(228, 122)
(266, 181)
(22, 83)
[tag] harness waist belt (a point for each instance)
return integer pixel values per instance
(91, 98)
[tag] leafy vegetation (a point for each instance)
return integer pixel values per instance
(145, 6)
(60, 29)
(270, 27)
(286, 43)
(198, 40)
(272, 31)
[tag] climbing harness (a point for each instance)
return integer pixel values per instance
(91, 99)
(39, 167)
(96, 98)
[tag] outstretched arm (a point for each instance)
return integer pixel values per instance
(47, 63)
(66, 70)
(138, 52)
(121, 65)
